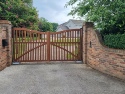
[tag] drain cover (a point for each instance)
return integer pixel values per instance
(16, 63)
(78, 61)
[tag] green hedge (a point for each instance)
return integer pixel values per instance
(115, 41)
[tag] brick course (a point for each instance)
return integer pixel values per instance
(98, 56)
(5, 52)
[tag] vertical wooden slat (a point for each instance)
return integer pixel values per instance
(81, 41)
(48, 46)
(45, 46)
(55, 48)
(70, 45)
(22, 45)
(24, 40)
(35, 46)
(79, 55)
(43, 40)
(40, 51)
(73, 44)
(68, 50)
(65, 40)
(75, 47)
(46, 52)
(16, 44)
(51, 40)
(53, 52)
(13, 33)
(39, 47)
(57, 58)
(59, 48)
(25, 47)
(30, 44)
(51, 48)
(37, 51)
(50, 52)
(72, 57)
(61, 58)
(19, 43)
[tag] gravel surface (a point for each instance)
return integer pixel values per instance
(57, 79)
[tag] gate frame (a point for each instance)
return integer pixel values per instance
(48, 42)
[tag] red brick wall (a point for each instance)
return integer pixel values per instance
(5, 52)
(100, 57)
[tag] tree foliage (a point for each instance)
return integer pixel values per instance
(108, 15)
(20, 12)
(115, 41)
(55, 25)
(44, 25)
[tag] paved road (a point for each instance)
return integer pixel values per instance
(57, 79)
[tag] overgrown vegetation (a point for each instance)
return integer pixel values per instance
(108, 15)
(21, 13)
(44, 25)
(115, 41)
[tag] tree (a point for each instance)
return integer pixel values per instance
(20, 12)
(55, 25)
(108, 15)
(44, 25)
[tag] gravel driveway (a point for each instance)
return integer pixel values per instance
(57, 79)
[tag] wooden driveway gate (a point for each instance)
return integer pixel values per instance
(35, 46)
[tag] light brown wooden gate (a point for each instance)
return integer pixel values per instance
(35, 46)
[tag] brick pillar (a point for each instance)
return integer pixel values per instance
(5, 33)
(86, 27)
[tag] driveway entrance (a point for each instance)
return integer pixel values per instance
(57, 79)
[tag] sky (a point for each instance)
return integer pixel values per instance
(53, 10)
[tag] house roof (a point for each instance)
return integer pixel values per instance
(64, 27)
(77, 21)
(64, 24)
(74, 21)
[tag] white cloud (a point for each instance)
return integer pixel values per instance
(53, 10)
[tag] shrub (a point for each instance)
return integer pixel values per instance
(115, 41)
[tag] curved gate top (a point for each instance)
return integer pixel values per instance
(34, 46)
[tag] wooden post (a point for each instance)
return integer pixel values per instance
(48, 46)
